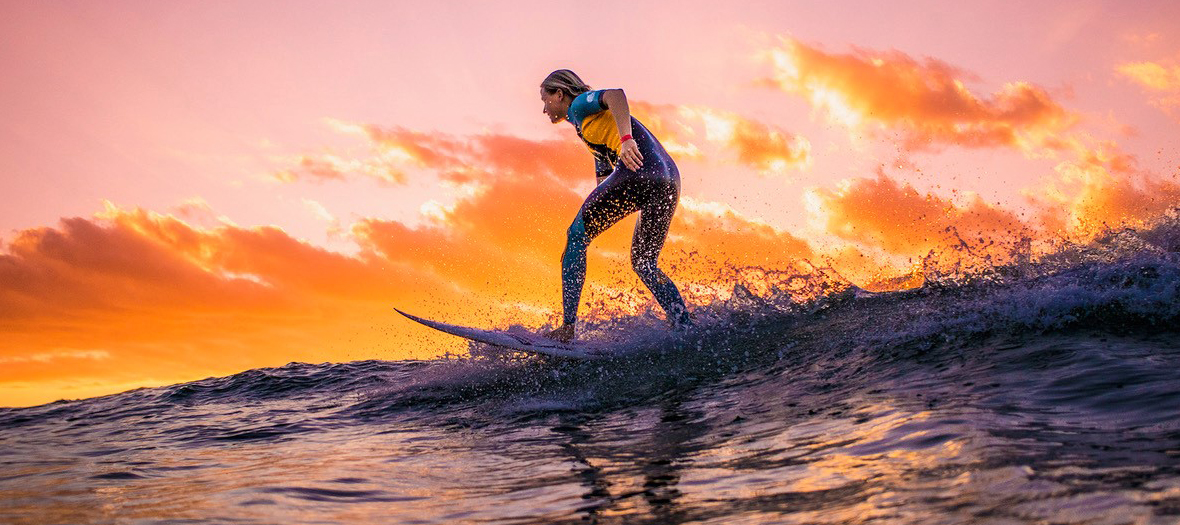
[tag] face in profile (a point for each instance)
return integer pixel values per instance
(555, 105)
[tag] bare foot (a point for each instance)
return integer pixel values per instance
(564, 334)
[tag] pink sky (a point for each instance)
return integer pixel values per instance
(152, 103)
(829, 123)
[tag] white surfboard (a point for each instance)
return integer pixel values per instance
(517, 340)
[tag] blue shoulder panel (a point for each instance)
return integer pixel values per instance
(583, 106)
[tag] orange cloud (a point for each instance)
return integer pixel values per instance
(131, 295)
(332, 167)
(720, 234)
(510, 234)
(381, 163)
(1160, 78)
(927, 101)
(881, 213)
(523, 186)
(514, 223)
(712, 247)
(769, 149)
(687, 129)
(1102, 190)
(393, 150)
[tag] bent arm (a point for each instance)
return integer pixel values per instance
(616, 101)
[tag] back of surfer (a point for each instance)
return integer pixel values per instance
(634, 173)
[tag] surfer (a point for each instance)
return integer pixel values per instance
(634, 173)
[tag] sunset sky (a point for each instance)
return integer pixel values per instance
(199, 188)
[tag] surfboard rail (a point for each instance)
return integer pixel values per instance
(514, 340)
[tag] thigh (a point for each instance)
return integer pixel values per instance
(615, 198)
(655, 218)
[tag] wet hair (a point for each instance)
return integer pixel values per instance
(566, 81)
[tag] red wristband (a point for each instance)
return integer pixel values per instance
(626, 138)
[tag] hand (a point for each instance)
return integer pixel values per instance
(630, 155)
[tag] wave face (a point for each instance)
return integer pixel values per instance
(1046, 393)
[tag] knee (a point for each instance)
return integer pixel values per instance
(644, 266)
(575, 238)
(576, 234)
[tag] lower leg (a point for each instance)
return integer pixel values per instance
(606, 205)
(650, 232)
(573, 272)
(664, 290)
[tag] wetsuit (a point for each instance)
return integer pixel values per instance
(653, 191)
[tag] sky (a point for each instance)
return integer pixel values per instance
(193, 189)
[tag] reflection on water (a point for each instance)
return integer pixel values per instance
(744, 452)
(637, 476)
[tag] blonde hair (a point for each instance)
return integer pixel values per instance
(566, 81)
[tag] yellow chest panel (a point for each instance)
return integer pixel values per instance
(600, 130)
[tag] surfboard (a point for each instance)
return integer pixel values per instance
(519, 340)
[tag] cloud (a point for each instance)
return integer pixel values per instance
(196, 209)
(326, 167)
(767, 149)
(688, 130)
(163, 298)
(1162, 79)
(46, 357)
(927, 101)
(508, 236)
(319, 210)
(1103, 189)
(513, 221)
(1153, 75)
(884, 214)
(390, 153)
(393, 151)
(725, 238)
